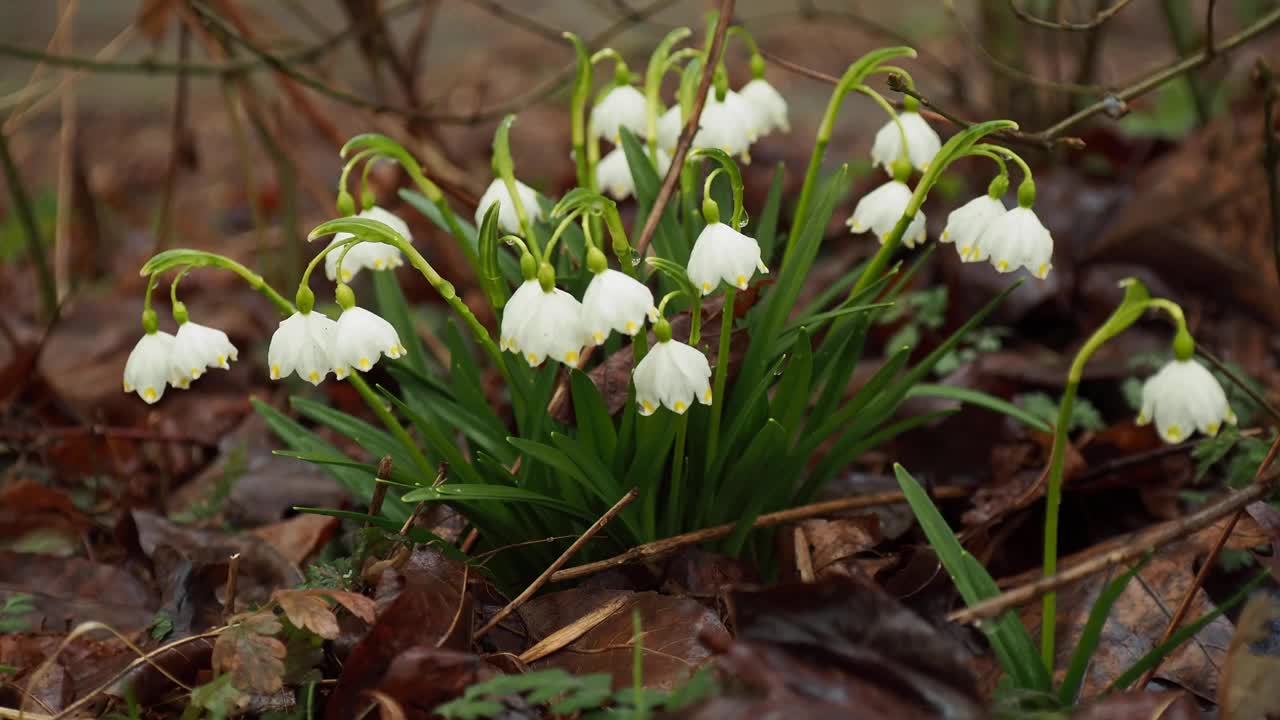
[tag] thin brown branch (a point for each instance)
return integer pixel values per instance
(690, 128)
(1098, 18)
(666, 546)
(569, 552)
(229, 592)
(1127, 549)
(1240, 382)
(1161, 76)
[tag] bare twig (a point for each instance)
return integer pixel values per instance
(666, 546)
(1127, 549)
(896, 84)
(691, 127)
(1209, 562)
(229, 592)
(1098, 18)
(379, 489)
(569, 552)
(1240, 382)
(1163, 75)
(1208, 32)
(67, 148)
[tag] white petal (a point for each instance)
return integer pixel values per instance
(1184, 397)
(966, 223)
(623, 106)
(197, 348)
(543, 325)
(615, 301)
(879, 211)
(508, 219)
(770, 107)
(723, 254)
(301, 344)
(1013, 240)
(669, 127)
(360, 338)
(368, 255)
(148, 368)
(923, 142)
(672, 374)
(521, 304)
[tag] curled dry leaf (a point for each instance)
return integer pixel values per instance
(310, 610)
(1248, 688)
(249, 650)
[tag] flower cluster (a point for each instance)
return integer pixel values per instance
(982, 229)
(160, 359)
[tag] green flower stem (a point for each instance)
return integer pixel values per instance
(1006, 152)
(564, 225)
(688, 205)
(890, 111)
(578, 109)
(744, 35)
(659, 63)
(722, 373)
(618, 235)
(730, 168)
(675, 511)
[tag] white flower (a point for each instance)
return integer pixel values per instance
(148, 368)
(616, 301)
(1016, 239)
(623, 107)
(672, 374)
(614, 173)
(301, 344)
(728, 125)
(372, 255)
(880, 210)
(966, 223)
(538, 325)
(508, 220)
(359, 338)
(669, 127)
(197, 348)
(1182, 398)
(769, 106)
(722, 253)
(922, 142)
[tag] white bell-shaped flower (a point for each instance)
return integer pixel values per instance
(197, 347)
(149, 367)
(1016, 239)
(301, 344)
(722, 253)
(727, 124)
(622, 107)
(537, 324)
(614, 173)
(370, 255)
(669, 127)
(768, 104)
(879, 211)
(1184, 397)
(966, 224)
(508, 220)
(672, 374)
(359, 338)
(922, 142)
(616, 301)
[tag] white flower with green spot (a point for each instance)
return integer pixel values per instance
(966, 224)
(367, 255)
(769, 106)
(359, 339)
(614, 301)
(923, 142)
(728, 125)
(623, 107)
(149, 367)
(669, 127)
(672, 374)
(197, 347)
(1184, 397)
(508, 219)
(879, 211)
(538, 324)
(1016, 239)
(723, 254)
(613, 172)
(301, 344)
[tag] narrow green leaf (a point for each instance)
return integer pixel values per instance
(1092, 633)
(766, 229)
(791, 398)
(491, 279)
(393, 306)
(460, 492)
(982, 400)
(595, 426)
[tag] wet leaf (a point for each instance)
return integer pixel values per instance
(251, 653)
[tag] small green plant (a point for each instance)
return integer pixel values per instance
(1084, 416)
(12, 611)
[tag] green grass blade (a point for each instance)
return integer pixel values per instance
(982, 400)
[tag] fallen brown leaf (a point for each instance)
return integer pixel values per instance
(249, 650)
(299, 537)
(69, 591)
(1248, 688)
(1145, 705)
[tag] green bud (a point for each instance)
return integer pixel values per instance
(999, 186)
(150, 323)
(910, 104)
(621, 75)
(757, 66)
(345, 297)
(662, 329)
(304, 300)
(1027, 193)
(1184, 346)
(902, 168)
(368, 199)
(710, 211)
(180, 313)
(596, 261)
(528, 266)
(547, 277)
(346, 204)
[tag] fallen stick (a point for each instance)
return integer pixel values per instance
(658, 548)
